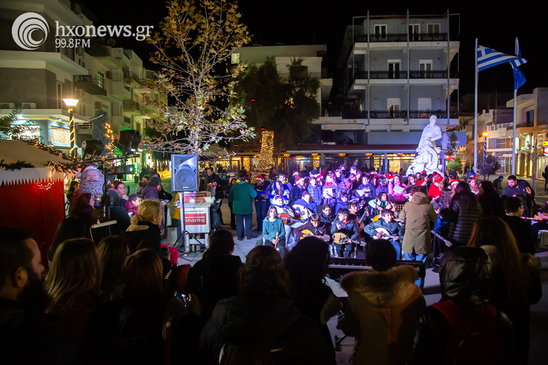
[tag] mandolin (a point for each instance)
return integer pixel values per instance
(308, 233)
(340, 238)
(385, 234)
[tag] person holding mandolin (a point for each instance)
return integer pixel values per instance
(385, 228)
(314, 227)
(344, 232)
(273, 231)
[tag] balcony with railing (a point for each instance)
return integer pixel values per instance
(402, 37)
(93, 86)
(402, 74)
(390, 114)
(131, 107)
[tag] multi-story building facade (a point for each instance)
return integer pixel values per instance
(396, 72)
(495, 131)
(531, 132)
(312, 57)
(101, 77)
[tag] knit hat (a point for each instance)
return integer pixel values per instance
(470, 173)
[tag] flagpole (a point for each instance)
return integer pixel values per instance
(514, 125)
(476, 110)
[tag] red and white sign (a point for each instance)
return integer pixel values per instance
(193, 197)
(195, 219)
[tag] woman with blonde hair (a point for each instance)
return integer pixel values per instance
(144, 231)
(72, 282)
(515, 278)
(145, 225)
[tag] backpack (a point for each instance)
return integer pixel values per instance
(232, 354)
(472, 340)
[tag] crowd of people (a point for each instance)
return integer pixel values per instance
(348, 207)
(123, 299)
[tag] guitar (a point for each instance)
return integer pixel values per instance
(287, 219)
(444, 240)
(308, 233)
(340, 238)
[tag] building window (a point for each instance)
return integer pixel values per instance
(434, 30)
(380, 31)
(100, 80)
(394, 69)
(60, 136)
(425, 67)
(425, 104)
(494, 143)
(530, 118)
(414, 32)
(393, 106)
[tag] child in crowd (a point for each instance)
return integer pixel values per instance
(274, 231)
(133, 202)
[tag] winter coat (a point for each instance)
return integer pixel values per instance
(433, 328)
(349, 228)
(151, 192)
(27, 338)
(463, 220)
(250, 321)
(241, 197)
(138, 232)
(392, 227)
(383, 308)
(418, 214)
(518, 314)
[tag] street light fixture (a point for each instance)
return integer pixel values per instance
(484, 134)
(71, 103)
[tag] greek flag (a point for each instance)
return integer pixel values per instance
(488, 58)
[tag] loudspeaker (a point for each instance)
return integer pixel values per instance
(184, 173)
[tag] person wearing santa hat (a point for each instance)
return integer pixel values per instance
(397, 189)
(435, 190)
(261, 201)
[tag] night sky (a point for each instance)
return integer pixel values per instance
(312, 22)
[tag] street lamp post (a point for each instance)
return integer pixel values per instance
(484, 134)
(71, 103)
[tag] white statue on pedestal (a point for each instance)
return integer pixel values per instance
(427, 158)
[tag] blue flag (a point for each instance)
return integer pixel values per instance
(519, 79)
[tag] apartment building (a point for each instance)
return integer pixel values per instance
(396, 71)
(102, 77)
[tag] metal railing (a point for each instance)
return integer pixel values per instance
(401, 75)
(95, 81)
(402, 37)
